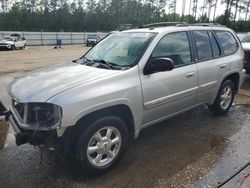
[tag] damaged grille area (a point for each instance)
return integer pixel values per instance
(44, 115)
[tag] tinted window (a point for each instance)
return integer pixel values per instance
(215, 46)
(228, 42)
(203, 45)
(174, 46)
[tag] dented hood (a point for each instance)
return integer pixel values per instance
(41, 85)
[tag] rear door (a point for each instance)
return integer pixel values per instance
(207, 54)
(229, 46)
(19, 42)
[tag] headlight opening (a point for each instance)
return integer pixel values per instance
(40, 114)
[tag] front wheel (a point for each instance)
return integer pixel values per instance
(101, 146)
(224, 99)
(13, 47)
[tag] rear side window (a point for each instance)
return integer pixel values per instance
(228, 42)
(215, 47)
(203, 45)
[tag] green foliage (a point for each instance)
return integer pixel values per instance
(106, 15)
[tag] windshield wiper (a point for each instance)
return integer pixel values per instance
(82, 60)
(108, 64)
(111, 65)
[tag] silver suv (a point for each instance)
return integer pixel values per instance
(89, 109)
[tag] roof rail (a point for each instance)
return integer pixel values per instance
(207, 24)
(162, 24)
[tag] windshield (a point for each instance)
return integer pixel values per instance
(121, 49)
(246, 39)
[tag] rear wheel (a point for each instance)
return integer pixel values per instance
(224, 99)
(101, 145)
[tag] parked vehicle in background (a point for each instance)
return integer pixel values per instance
(123, 27)
(93, 39)
(245, 41)
(241, 35)
(130, 80)
(15, 41)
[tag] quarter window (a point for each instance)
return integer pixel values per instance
(203, 45)
(174, 46)
(228, 42)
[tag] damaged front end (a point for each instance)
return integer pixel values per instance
(34, 123)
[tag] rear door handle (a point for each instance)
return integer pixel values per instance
(189, 75)
(223, 66)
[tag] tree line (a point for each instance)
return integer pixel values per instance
(106, 15)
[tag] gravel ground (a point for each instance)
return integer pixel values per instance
(194, 149)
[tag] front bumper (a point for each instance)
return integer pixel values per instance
(33, 137)
(91, 42)
(7, 46)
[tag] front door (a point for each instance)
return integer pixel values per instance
(165, 93)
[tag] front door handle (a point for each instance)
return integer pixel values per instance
(189, 75)
(223, 66)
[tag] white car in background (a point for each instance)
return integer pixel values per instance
(15, 41)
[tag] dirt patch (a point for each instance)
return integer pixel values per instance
(21, 61)
(4, 127)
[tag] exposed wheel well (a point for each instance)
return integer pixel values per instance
(235, 78)
(121, 111)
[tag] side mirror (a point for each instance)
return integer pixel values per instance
(158, 65)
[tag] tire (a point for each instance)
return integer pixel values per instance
(222, 104)
(24, 47)
(13, 47)
(98, 153)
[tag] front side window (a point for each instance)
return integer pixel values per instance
(121, 49)
(203, 45)
(174, 46)
(228, 42)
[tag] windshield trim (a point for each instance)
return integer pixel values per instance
(142, 53)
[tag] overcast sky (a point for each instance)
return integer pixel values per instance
(220, 7)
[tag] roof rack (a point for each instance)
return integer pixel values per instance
(162, 24)
(180, 24)
(207, 24)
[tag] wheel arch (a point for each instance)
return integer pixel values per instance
(122, 111)
(71, 135)
(235, 78)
